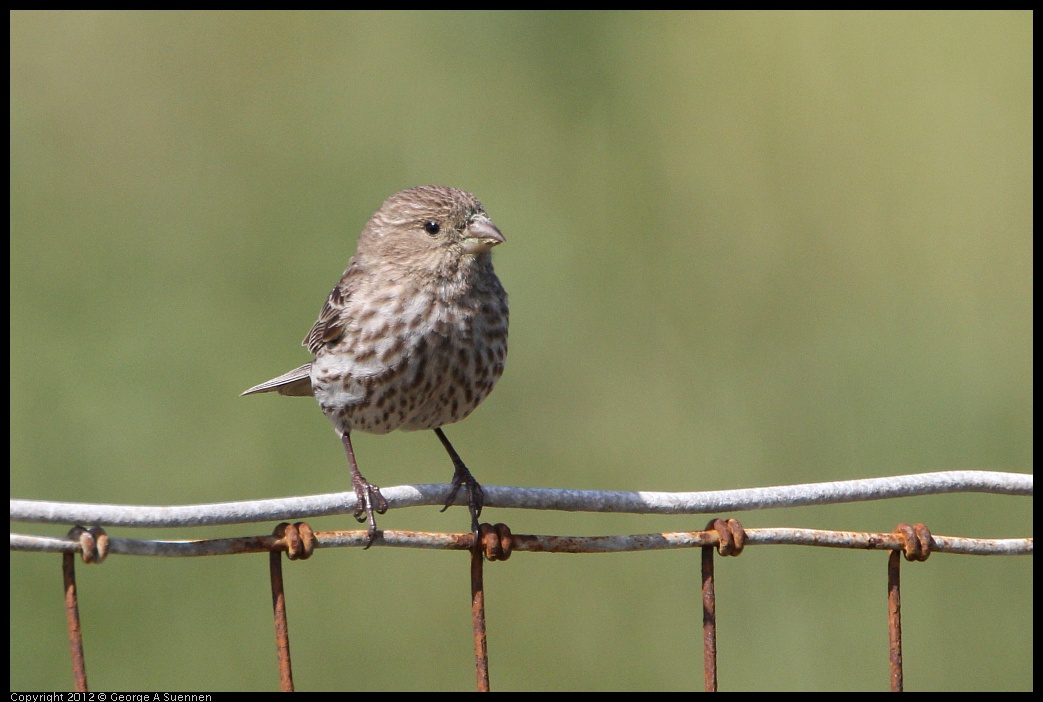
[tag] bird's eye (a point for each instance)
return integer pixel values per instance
(432, 228)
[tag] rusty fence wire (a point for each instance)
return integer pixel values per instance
(726, 537)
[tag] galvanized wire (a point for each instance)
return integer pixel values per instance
(635, 502)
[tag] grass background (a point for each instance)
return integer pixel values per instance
(743, 249)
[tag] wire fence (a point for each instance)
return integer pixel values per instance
(496, 542)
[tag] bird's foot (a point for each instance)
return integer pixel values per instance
(370, 503)
(475, 496)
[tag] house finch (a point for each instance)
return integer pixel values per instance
(414, 336)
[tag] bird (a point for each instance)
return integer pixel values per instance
(413, 337)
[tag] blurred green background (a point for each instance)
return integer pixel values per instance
(742, 250)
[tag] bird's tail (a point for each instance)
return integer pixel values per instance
(296, 383)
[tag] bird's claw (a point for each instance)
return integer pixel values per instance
(370, 503)
(475, 496)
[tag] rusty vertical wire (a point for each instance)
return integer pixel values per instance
(481, 652)
(282, 629)
(894, 618)
(72, 618)
(917, 546)
(298, 540)
(709, 623)
(496, 543)
(731, 539)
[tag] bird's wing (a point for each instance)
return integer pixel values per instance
(330, 325)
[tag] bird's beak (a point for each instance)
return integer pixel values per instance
(481, 235)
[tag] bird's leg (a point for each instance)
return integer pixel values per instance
(462, 477)
(369, 498)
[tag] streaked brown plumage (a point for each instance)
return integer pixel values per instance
(414, 336)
